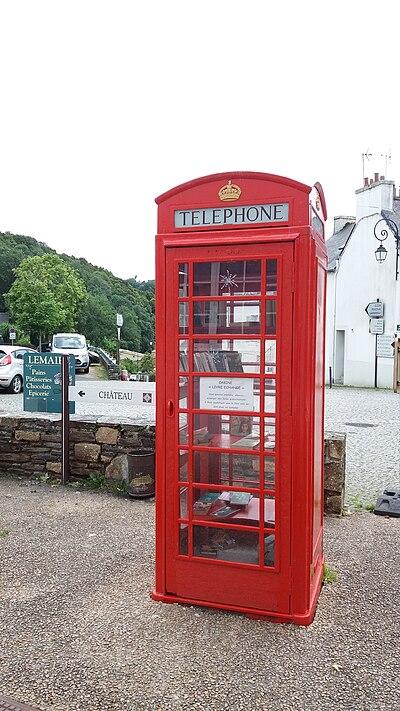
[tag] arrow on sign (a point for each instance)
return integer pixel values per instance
(375, 309)
(81, 393)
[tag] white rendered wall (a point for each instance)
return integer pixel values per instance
(360, 280)
(373, 199)
(330, 323)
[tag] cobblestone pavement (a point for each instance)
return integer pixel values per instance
(373, 451)
(79, 631)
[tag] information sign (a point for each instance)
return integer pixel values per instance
(120, 320)
(375, 309)
(42, 382)
(114, 393)
(227, 394)
(376, 326)
(13, 335)
(384, 347)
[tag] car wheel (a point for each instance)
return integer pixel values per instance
(16, 385)
(85, 370)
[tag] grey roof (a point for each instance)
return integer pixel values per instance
(393, 216)
(336, 243)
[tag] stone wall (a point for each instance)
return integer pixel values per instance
(32, 446)
(334, 472)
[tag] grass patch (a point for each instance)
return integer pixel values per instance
(356, 504)
(4, 532)
(95, 480)
(329, 575)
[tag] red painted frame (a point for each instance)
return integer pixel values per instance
(300, 577)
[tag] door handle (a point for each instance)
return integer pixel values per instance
(170, 408)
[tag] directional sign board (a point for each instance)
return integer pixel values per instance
(375, 309)
(120, 320)
(13, 335)
(42, 382)
(384, 347)
(376, 326)
(114, 392)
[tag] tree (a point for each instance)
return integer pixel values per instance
(45, 296)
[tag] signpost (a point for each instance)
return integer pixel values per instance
(47, 377)
(384, 346)
(120, 323)
(13, 336)
(375, 309)
(376, 326)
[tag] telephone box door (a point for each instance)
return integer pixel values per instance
(228, 424)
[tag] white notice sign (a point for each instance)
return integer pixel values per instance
(384, 348)
(226, 394)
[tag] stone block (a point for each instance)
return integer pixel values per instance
(334, 476)
(118, 469)
(337, 447)
(86, 452)
(334, 504)
(27, 436)
(54, 467)
(107, 435)
(81, 435)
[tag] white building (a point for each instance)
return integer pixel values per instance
(355, 279)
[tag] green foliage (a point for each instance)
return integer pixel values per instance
(22, 339)
(107, 296)
(4, 532)
(146, 364)
(329, 575)
(96, 480)
(45, 296)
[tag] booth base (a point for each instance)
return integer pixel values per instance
(304, 619)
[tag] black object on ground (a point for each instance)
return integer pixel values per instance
(7, 704)
(389, 503)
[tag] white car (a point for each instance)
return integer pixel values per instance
(12, 367)
(74, 344)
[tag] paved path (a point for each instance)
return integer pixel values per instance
(79, 631)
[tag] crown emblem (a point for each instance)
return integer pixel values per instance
(230, 191)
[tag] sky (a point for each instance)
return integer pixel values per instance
(105, 105)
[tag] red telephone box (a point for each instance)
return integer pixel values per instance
(240, 304)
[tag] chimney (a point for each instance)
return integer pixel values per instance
(376, 195)
(365, 182)
(376, 177)
(382, 177)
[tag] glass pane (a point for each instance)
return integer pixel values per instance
(269, 511)
(183, 393)
(270, 395)
(270, 327)
(183, 502)
(270, 356)
(239, 507)
(227, 431)
(269, 472)
(226, 317)
(227, 278)
(227, 469)
(271, 277)
(225, 544)
(183, 465)
(221, 393)
(269, 550)
(183, 539)
(183, 317)
(237, 356)
(183, 428)
(269, 433)
(184, 356)
(183, 280)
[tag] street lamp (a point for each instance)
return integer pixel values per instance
(381, 233)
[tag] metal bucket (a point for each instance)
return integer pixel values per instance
(142, 475)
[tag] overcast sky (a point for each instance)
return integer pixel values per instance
(105, 105)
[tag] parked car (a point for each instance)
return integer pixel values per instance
(74, 344)
(12, 367)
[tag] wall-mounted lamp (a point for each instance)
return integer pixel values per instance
(381, 233)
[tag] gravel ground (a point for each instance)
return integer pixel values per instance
(79, 630)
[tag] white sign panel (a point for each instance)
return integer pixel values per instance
(239, 215)
(226, 394)
(376, 325)
(120, 320)
(384, 347)
(375, 309)
(114, 392)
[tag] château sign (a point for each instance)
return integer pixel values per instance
(239, 215)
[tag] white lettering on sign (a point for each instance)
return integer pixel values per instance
(44, 359)
(384, 347)
(227, 394)
(246, 214)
